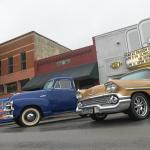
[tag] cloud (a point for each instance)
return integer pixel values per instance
(71, 23)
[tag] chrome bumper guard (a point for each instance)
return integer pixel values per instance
(8, 109)
(123, 104)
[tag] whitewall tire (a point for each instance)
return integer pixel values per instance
(30, 117)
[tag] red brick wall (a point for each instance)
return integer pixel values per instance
(77, 57)
(13, 48)
(16, 44)
(4, 63)
(20, 75)
(30, 59)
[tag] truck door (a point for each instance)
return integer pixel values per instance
(63, 96)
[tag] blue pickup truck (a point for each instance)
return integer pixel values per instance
(58, 96)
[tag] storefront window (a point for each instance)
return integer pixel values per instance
(12, 87)
(1, 89)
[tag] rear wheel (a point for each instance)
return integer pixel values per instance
(98, 117)
(139, 107)
(29, 117)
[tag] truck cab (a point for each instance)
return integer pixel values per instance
(57, 96)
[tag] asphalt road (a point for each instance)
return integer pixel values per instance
(117, 132)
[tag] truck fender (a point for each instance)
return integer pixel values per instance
(42, 104)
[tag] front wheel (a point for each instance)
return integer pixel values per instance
(98, 117)
(139, 107)
(29, 117)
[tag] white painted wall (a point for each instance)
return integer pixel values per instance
(111, 47)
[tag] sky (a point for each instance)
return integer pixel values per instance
(71, 23)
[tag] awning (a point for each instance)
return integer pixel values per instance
(81, 72)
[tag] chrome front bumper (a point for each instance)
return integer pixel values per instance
(8, 110)
(122, 105)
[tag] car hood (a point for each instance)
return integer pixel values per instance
(122, 86)
(30, 94)
(93, 91)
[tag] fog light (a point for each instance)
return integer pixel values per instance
(78, 95)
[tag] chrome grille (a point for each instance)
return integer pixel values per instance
(98, 100)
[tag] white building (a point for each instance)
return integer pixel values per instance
(111, 48)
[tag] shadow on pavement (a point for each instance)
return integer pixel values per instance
(78, 123)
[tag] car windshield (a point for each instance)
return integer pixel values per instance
(48, 84)
(138, 75)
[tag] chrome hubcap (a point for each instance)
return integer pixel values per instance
(30, 117)
(140, 106)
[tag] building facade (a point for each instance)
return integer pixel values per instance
(81, 64)
(123, 50)
(111, 48)
(18, 57)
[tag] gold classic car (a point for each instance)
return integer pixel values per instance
(130, 94)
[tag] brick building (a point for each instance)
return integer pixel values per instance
(18, 57)
(81, 64)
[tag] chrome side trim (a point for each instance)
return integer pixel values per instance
(109, 106)
(139, 88)
(108, 94)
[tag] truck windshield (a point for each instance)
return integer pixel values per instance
(48, 85)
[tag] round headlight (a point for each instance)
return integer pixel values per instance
(79, 105)
(113, 100)
(111, 88)
(78, 95)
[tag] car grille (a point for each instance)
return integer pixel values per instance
(98, 100)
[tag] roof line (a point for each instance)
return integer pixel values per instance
(13, 39)
(117, 30)
(65, 55)
(28, 33)
(50, 40)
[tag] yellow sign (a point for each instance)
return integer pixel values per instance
(138, 57)
(116, 65)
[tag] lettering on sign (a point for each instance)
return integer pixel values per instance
(116, 65)
(63, 62)
(138, 57)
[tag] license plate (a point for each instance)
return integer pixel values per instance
(88, 111)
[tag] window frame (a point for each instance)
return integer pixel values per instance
(13, 83)
(23, 61)
(10, 65)
(60, 84)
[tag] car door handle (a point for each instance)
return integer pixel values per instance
(43, 96)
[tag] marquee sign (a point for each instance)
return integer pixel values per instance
(138, 57)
